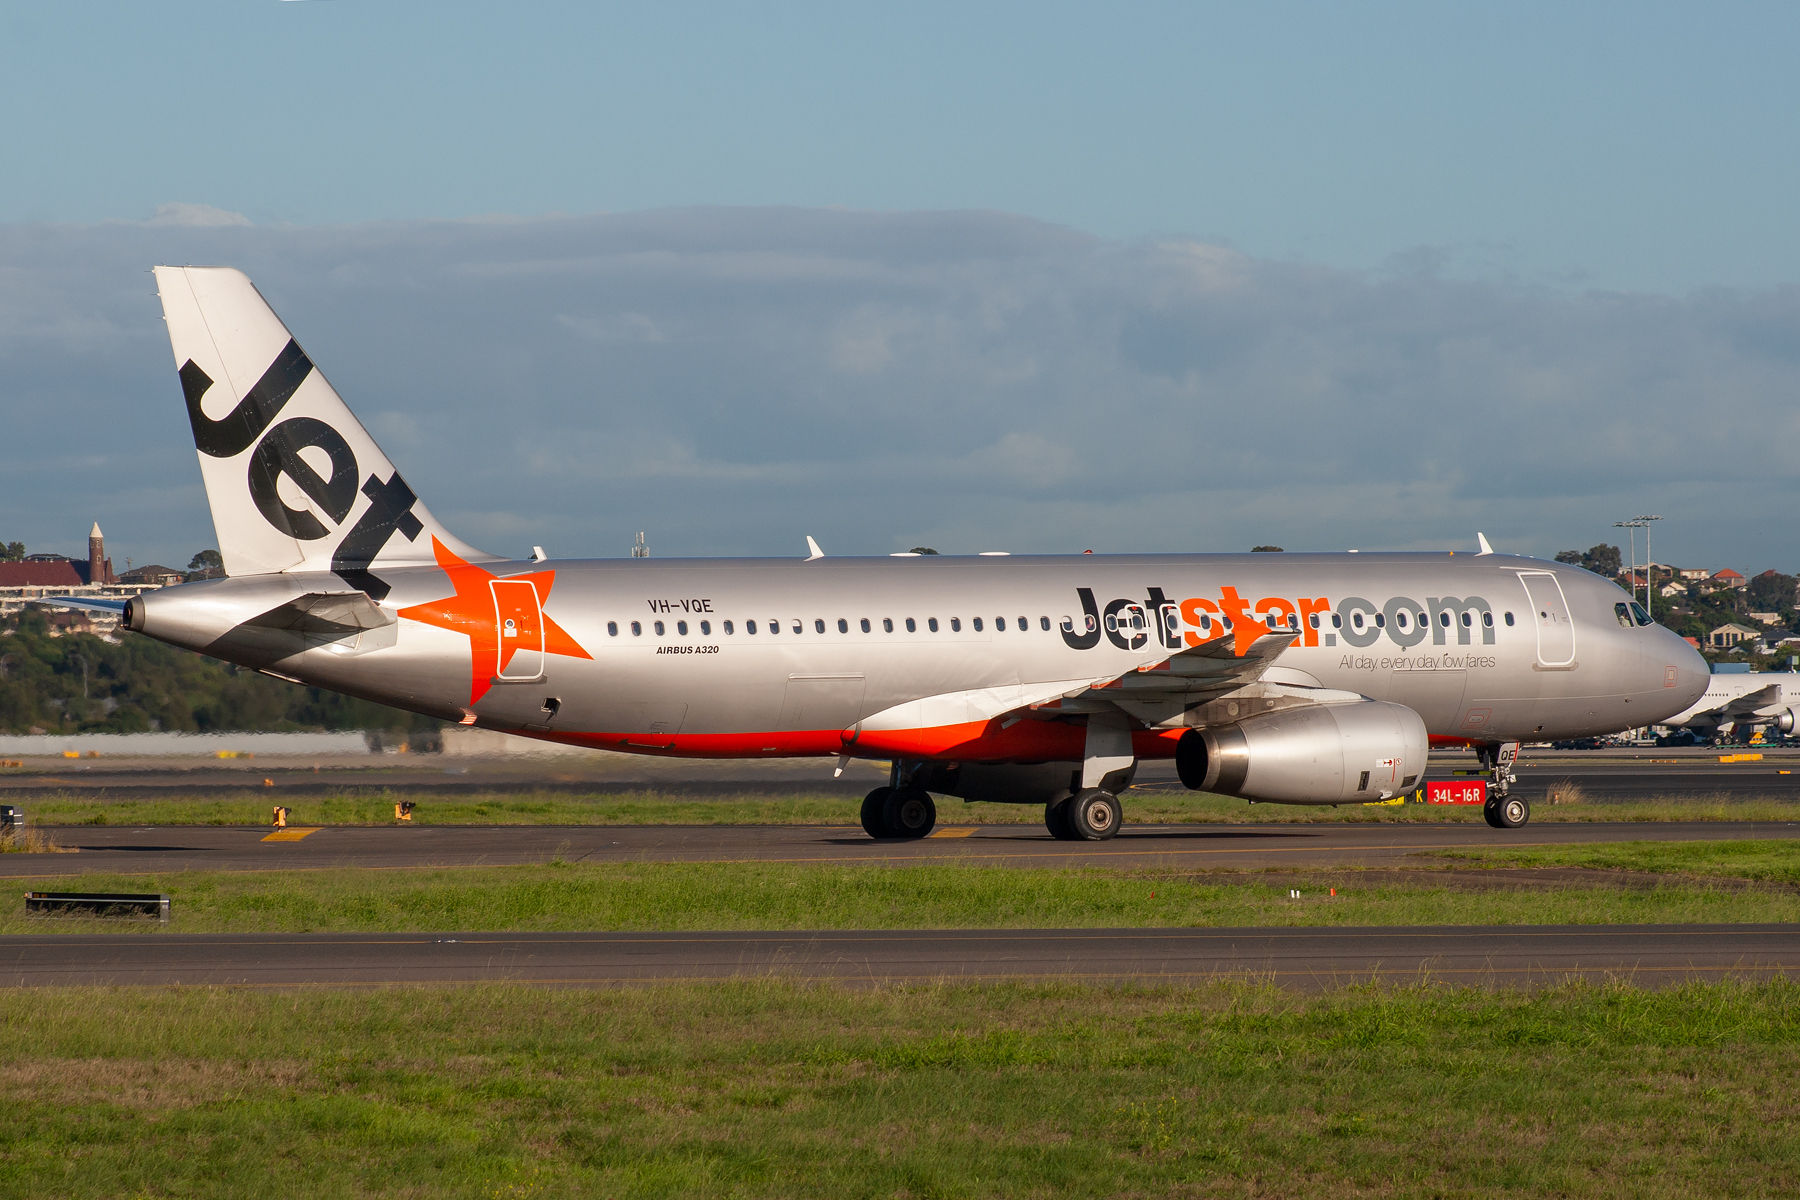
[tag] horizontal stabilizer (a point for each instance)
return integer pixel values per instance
(106, 604)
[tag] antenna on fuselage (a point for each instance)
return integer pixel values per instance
(639, 549)
(1485, 548)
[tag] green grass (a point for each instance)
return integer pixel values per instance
(774, 1089)
(1769, 861)
(375, 806)
(711, 896)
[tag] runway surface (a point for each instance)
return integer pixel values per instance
(1606, 775)
(1191, 847)
(1302, 958)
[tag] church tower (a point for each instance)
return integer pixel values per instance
(99, 569)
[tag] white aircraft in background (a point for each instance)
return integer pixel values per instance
(1742, 702)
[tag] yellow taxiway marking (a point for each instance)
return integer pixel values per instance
(963, 832)
(290, 835)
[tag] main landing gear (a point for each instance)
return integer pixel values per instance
(1090, 815)
(903, 812)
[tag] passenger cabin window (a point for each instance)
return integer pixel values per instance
(1356, 619)
(728, 629)
(865, 625)
(931, 624)
(775, 626)
(1000, 625)
(1399, 619)
(1487, 619)
(749, 626)
(706, 628)
(800, 626)
(887, 624)
(1509, 618)
(1068, 624)
(976, 624)
(612, 629)
(1337, 621)
(818, 626)
(1313, 620)
(1380, 620)
(1468, 620)
(1043, 621)
(681, 628)
(1444, 619)
(637, 629)
(659, 629)
(843, 625)
(911, 627)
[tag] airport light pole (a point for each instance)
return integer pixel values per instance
(1631, 527)
(1649, 563)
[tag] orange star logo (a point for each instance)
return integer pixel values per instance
(487, 608)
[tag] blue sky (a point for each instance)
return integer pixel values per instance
(1635, 146)
(1032, 277)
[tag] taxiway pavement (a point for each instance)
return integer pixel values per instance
(1301, 958)
(126, 850)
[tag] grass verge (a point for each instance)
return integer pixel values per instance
(375, 806)
(1769, 861)
(775, 1089)
(715, 896)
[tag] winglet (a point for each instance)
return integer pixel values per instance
(814, 547)
(1485, 548)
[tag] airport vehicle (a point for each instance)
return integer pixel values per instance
(1286, 678)
(1741, 703)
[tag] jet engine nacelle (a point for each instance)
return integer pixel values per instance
(1784, 720)
(1320, 754)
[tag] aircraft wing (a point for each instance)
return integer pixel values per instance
(1742, 706)
(1187, 677)
(1747, 704)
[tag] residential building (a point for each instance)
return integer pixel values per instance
(153, 576)
(1731, 578)
(1734, 635)
(1766, 618)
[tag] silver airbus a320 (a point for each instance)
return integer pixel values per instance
(1287, 678)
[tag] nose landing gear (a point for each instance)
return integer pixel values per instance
(1502, 810)
(1506, 812)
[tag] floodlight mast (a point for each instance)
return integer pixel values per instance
(1649, 563)
(1631, 538)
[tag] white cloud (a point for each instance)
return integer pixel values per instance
(723, 378)
(201, 216)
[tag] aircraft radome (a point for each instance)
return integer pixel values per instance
(1288, 678)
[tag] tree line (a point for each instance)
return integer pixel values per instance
(80, 683)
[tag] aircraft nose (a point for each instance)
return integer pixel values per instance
(1691, 672)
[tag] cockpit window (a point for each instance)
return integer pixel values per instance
(1643, 618)
(1622, 613)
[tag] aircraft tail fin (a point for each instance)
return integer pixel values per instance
(294, 480)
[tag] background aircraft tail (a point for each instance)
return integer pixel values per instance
(295, 482)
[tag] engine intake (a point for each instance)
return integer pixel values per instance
(1320, 754)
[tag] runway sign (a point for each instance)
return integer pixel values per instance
(1457, 791)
